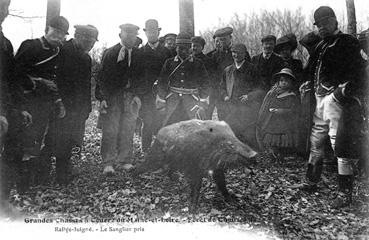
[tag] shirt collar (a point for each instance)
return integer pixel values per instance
(124, 47)
(267, 56)
(153, 46)
(178, 58)
(239, 65)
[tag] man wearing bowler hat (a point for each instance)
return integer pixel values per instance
(267, 62)
(155, 55)
(335, 72)
(222, 57)
(74, 85)
(36, 68)
(183, 85)
(121, 78)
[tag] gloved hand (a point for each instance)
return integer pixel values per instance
(160, 103)
(103, 107)
(3, 126)
(27, 118)
(43, 84)
(60, 109)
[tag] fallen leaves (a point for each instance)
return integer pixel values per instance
(268, 197)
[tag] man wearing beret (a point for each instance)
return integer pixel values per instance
(170, 43)
(36, 69)
(183, 85)
(268, 63)
(74, 85)
(242, 95)
(222, 58)
(335, 72)
(285, 46)
(121, 81)
(154, 58)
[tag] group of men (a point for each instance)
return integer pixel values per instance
(46, 92)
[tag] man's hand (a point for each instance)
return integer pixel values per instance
(244, 98)
(160, 103)
(226, 98)
(43, 83)
(60, 109)
(3, 126)
(305, 87)
(27, 118)
(103, 107)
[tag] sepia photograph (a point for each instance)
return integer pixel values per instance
(189, 119)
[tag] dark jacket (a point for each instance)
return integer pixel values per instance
(245, 80)
(222, 59)
(11, 93)
(154, 60)
(117, 77)
(190, 75)
(36, 58)
(208, 63)
(341, 62)
(74, 78)
(267, 68)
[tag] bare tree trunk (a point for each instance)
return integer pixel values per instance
(186, 17)
(53, 10)
(351, 17)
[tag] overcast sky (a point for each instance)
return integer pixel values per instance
(107, 15)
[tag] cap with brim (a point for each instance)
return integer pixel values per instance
(183, 38)
(323, 13)
(151, 24)
(198, 40)
(222, 32)
(286, 40)
(129, 28)
(286, 72)
(170, 36)
(239, 47)
(89, 31)
(269, 38)
(60, 23)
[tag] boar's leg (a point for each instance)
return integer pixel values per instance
(195, 185)
(219, 178)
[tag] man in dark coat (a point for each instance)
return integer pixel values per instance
(170, 43)
(154, 58)
(36, 63)
(242, 95)
(183, 85)
(222, 57)
(335, 71)
(13, 117)
(74, 84)
(285, 46)
(121, 82)
(267, 62)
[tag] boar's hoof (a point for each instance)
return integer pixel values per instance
(109, 170)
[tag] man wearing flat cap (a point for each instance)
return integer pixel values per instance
(336, 64)
(74, 85)
(120, 81)
(155, 55)
(183, 85)
(267, 62)
(242, 95)
(170, 43)
(222, 58)
(36, 68)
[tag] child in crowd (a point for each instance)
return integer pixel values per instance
(278, 116)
